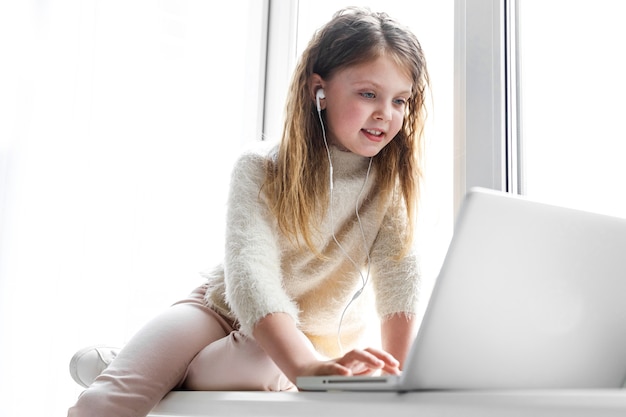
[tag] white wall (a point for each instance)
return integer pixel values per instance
(118, 122)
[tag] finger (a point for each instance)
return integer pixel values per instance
(357, 358)
(391, 364)
(384, 356)
(391, 370)
(338, 369)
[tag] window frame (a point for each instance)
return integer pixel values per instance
(282, 27)
(486, 131)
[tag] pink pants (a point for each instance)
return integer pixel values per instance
(189, 346)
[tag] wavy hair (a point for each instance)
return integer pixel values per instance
(296, 182)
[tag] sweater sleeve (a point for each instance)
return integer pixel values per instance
(252, 268)
(396, 280)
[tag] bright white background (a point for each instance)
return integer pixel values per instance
(118, 123)
(572, 90)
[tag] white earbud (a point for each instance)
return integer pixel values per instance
(318, 96)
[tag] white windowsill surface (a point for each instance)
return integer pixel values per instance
(570, 403)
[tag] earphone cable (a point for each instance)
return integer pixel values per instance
(364, 279)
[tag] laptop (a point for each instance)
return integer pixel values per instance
(529, 296)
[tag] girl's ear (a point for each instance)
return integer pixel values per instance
(315, 83)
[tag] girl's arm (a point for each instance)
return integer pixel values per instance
(294, 354)
(397, 334)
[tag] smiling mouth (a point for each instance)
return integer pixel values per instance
(375, 135)
(374, 132)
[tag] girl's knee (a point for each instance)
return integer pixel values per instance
(235, 362)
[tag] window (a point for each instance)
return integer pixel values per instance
(572, 91)
(117, 124)
(539, 100)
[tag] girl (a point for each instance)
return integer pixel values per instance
(310, 223)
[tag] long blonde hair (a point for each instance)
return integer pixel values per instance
(296, 182)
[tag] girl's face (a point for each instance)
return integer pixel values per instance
(365, 105)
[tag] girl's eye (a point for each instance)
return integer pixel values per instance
(368, 95)
(400, 101)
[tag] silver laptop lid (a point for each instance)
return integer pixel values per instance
(530, 295)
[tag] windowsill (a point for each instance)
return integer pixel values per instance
(570, 403)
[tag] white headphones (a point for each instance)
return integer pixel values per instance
(318, 96)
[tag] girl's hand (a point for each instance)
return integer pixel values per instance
(356, 362)
(295, 355)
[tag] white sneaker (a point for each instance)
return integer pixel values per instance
(88, 363)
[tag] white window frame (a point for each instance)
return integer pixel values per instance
(280, 62)
(486, 131)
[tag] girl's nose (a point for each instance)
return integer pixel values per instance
(383, 112)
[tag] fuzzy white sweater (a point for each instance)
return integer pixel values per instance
(264, 273)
